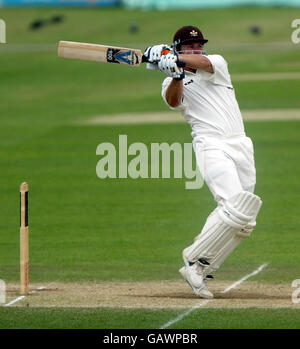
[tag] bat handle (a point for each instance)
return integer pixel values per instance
(181, 64)
(144, 59)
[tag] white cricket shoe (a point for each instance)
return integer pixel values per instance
(194, 270)
(192, 274)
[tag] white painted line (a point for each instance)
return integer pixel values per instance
(181, 316)
(203, 303)
(14, 301)
(237, 283)
(41, 288)
(23, 297)
(44, 287)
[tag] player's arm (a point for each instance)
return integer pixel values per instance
(174, 93)
(167, 63)
(196, 61)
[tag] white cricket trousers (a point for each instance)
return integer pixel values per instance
(227, 167)
(226, 164)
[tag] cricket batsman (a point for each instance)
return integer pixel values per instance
(203, 92)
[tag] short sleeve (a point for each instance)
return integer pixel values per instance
(220, 75)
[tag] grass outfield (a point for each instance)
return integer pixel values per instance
(62, 318)
(86, 229)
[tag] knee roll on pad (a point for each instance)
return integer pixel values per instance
(240, 210)
(247, 230)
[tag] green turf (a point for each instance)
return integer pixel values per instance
(106, 318)
(84, 228)
(122, 228)
(46, 91)
(222, 26)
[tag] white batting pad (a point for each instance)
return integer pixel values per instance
(224, 252)
(224, 229)
(212, 238)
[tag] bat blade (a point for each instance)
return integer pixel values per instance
(100, 53)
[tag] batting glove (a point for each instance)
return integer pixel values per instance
(153, 53)
(168, 65)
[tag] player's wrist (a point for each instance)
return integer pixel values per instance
(180, 78)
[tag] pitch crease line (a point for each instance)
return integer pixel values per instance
(202, 304)
(237, 283)
(14, 301)
(41, 288)
(181, 316)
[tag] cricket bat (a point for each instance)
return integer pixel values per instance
(103, 53)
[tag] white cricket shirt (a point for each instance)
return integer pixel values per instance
(209, 104)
